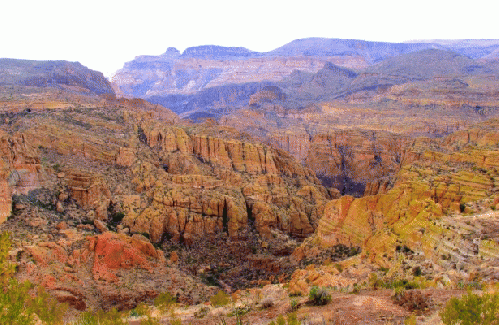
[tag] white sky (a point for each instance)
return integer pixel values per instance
(103, 34)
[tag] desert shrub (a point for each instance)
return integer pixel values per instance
(374, 282)
(267, 303)
(294, 305)
(47, 308)
(417, 271)
(202, 312)
(238, 322)
(150, 321)
(240, 311)
(472, 309)
(86, 318)
(411, 320)
(112, 317)
(280, 320)
(405, 284)
(220, 299)
(319, 296)
(7, 270)
(174, 320)
(17, 306)
(13, 304)
(291, 320)
(141, 310)
(462, 207)
(164, 301)
(413, 300)
(117, 217)
(14, 296)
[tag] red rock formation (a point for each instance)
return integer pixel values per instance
(5, 200)
(340, 157)
(19, 170)
(89, 191)
(112, 251)
(107, 270)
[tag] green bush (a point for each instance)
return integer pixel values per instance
(117, 217)
(112, 317)
(472, 309)
(7, 270)
(220, 299)
(413, 300)
(17, 306)
(411, 320)
(141, 310)
(417, 283)
(319, 296)
(150, 321)
(164, 301)
(47, 308)
(15, 296)
(13, 304)
(291, 320)
(280, 320)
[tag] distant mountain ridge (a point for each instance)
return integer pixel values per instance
(69, 75)
(218, 52)
(220, 79)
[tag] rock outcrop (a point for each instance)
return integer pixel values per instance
(209, 181)
(5, 199)
(355, 162)
(442, 178)
(19, 170)
(107, 270)
(90, 192)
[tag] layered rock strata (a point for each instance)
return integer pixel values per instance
(206, 183)
(443, 177)
(19, 170)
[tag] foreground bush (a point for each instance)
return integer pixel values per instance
(13, 304)
(112, 317)
(319, 296)
(220, 299)
(413, 300)
(164, 301)
(472, 309)
(17, 305)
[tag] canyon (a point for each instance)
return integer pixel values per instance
(339, 164)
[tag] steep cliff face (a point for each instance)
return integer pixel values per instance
(457, 174)
(189, 73)
(355, 162)
(19, 170)
(213, 180)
